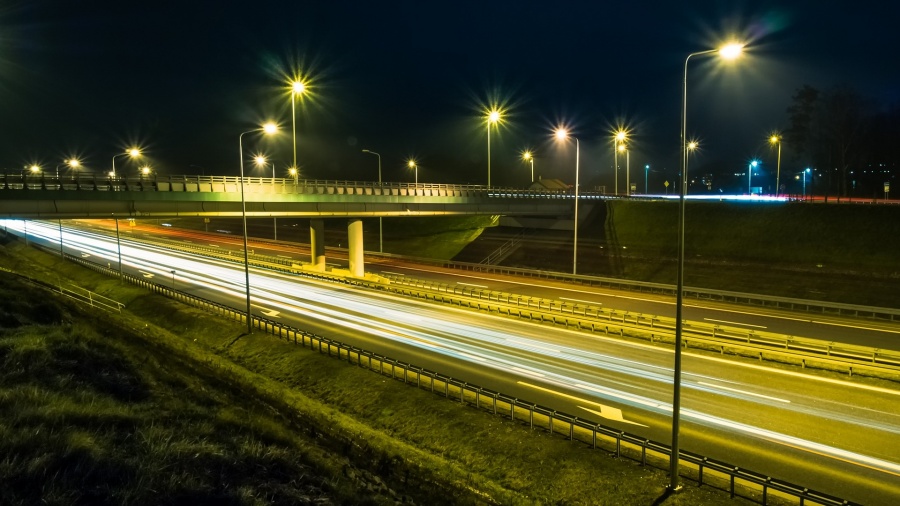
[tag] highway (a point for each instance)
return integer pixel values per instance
(837, 435)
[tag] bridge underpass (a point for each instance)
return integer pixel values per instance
(102, 197)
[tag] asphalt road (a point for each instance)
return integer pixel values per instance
(839, 436)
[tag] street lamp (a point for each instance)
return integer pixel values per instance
(34, 169)
(297, 87)
(805, 172)
(294, 173)
(776, 139)
(753, 165)
(562, 134)
(380, 229)
(268, 129)
(493, 117)
(72, 163)
(133, 152)
(728, 52)
(646, 172)
(413, 165)
(145, 171)
(618, 138)
(262, 161)
(623, 148)
(528, 157)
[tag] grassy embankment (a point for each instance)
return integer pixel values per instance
(838, 253)
(166, 404)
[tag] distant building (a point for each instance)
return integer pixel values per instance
(549, 185)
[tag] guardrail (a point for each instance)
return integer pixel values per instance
(656, 328)
(705, 471)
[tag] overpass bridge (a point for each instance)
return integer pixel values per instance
(30, 197)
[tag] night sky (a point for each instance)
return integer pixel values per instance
(184, 79)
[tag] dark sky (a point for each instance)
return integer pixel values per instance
(184, 79)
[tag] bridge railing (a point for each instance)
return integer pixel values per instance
(230, 184)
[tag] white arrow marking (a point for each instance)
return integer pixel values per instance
(269, 312)
(84, 255)
(146, 274)
(611, 413)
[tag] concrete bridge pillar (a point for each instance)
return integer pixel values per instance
(355, 251)
(317, 243)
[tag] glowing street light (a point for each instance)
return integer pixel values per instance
(73, 163)
(413, 165)
(132, 152)
(145, 171)
(34, 169)
(262, 161)
(294, 174)
(528, 157)
(298, 87)
(776, 139)
(268, 129)
(727, 52)
(618, 139)
(380, 229)
(493, 117)
(624, 149)
(753, 165)
(562, 134)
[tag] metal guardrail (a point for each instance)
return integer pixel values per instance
(655, 328)
(705, 471)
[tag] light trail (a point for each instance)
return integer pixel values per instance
(486, 340)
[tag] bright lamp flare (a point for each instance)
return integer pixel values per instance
(620, 135)
(298, 86)
(526, 155)
(145, 170)
(622, 148)
(561, 134)
(35, 168)
(411, 164)
(134, 152)
(74, 163)
(731, 51)
(692, 145)
(494, 116)
(270, 128)
(260, 160)
(774, 139)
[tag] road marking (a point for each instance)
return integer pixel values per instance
(214, 245)
(269, 312)
(394, 273)
(585, 301)
(471, 284)
(842, 383)
(85, 255)
(285, 256)
(607, 412)
(744, 392)
(735, 323)
(147, 275)
(473, 357)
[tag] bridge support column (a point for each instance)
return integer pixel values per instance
(317, 244)
(355, 251)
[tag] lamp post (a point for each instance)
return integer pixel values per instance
(380, 229)
(297, 87)
(805, 172)
(528, 157)
(776, 139)
(413, 165)
(618, 138)
(729, 51)
(646, 172)
(133, 152)
(753, 164)
(268, 128)
(562, 135)
(294, 174)
(623, 148)
(145, 171)
(493, 117)
(72, 163)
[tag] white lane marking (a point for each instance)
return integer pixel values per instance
(610, 413)
(471, 284)
(526, 371)
(536, 346)
(797, 374)
(743, 392)
(285, 256)
(735, 323)
(85, 255)
(146, 274)
(473, 357)
(269, 312)
(585, 301)
(394, 273)
(213, 245)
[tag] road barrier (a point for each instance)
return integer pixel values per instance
(705, 471)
